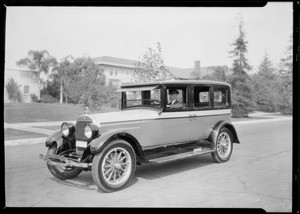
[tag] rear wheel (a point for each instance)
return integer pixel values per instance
(114, 167)
(59, 171)
(224, 146)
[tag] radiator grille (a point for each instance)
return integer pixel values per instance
(80, 128)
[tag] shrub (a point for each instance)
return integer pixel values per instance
(34, 98)
(13, 91)
(48, 99)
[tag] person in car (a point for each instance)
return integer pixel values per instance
(174, 102)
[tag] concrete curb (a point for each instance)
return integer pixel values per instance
(31, 141)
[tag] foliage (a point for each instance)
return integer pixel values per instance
(86, 83)
(38, 62)
(242, 86)
(218, 74)
(286, 73)
(61, 74)
(48, 99)
(51, 88)
(13, 90)
(151, 67)
(34, 98)
(266, 86)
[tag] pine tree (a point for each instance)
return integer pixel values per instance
(266, 85)
(242, 87)
(286, 74)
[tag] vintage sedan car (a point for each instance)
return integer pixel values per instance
(148, 129)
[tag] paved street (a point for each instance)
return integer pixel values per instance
(258, 175)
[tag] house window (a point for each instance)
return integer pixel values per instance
(116, 72)
(111, 72)
(26, 89)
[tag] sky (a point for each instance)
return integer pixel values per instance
(186, 34)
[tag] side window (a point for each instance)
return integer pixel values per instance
(202, 97)
(221, 97)
(177, 98)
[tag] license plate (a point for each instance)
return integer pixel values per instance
(81, 143)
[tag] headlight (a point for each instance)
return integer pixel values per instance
(90, 130)
(67, 129)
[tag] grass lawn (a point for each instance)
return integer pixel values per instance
(14, 134)
(42, 112)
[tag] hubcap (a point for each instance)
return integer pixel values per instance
(224, 145)
(116, 166)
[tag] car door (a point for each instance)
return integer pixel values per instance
(176, 122)
(210, 105)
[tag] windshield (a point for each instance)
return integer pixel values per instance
(138, 98)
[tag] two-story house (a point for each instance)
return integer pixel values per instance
(119, 70)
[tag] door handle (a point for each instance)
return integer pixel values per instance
(192, 117)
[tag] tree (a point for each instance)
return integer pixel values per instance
(86, 84)
(151, 67)
(13, 90)
(266, 68)
(242, 87)
(266, 85)
(218, 74)
(286, 74)
(61, 74)
(38, 62)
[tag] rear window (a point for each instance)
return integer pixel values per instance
(221, 97)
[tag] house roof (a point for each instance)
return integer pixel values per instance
(108, 60)
(181, 73)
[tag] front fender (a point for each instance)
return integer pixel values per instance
(99, 143)
(54, 137)
(215, 131)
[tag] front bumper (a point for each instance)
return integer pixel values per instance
(56, 160)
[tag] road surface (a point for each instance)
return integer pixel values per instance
(258, 175)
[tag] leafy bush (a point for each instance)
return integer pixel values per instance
(13, 90)
(34, 98)
(48, 99)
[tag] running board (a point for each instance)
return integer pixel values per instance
(198, 151)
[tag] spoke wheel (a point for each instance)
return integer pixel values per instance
(59, 171)
(114, 167)
(224, 146)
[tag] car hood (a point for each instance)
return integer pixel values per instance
(123, 116)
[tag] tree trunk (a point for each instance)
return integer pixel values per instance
(61, 93)
(66, 98)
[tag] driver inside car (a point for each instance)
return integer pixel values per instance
(174, 102)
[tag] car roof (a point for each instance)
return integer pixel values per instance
(175, 82)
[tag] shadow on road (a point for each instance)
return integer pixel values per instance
(148, 172)
(154, 171)
(83, 181)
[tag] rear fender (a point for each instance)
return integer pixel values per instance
(99, 143)
(215, 131)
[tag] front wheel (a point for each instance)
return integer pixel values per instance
(60, 171)
(114, 167)
(224, 146)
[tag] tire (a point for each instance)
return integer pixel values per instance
(114, 167)
(224, 146)
(60, 172)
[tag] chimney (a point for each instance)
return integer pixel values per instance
(197, 66)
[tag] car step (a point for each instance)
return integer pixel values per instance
(197, 151)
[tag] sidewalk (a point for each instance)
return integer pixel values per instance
(41, 127)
